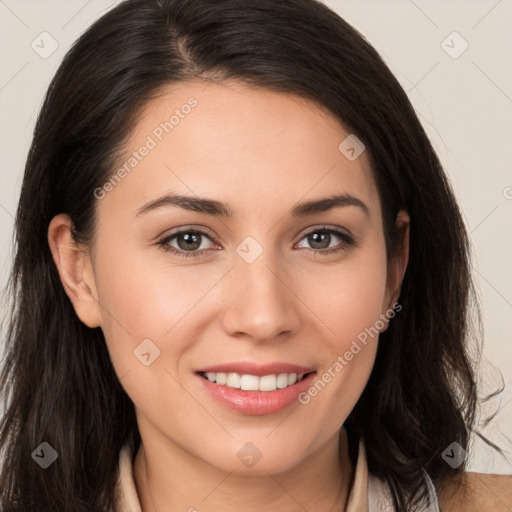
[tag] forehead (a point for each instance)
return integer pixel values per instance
(246, 146)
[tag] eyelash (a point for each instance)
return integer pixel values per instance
(348, 242)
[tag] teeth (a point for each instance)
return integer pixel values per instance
(249, 382)
(220, 378)
(254, 383)
(269, 382)
(233, 380)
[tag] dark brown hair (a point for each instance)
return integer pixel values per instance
(58, 382)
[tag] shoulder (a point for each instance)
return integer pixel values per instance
(478, 492)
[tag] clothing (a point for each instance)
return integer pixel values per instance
(367, 493)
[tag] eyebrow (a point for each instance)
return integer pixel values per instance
(220, 209)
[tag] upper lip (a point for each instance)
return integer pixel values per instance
(257, 369)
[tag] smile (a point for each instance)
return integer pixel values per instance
(255, 395)
(253, 382)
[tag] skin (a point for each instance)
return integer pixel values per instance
(262, 153)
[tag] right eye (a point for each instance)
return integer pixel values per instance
(189, 242)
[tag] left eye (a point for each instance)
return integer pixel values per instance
(320, 236)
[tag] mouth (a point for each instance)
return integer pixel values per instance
(248, 382)
(256, 395)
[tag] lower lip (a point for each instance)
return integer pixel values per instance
(256, 403)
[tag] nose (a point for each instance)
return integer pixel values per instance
(259, 300)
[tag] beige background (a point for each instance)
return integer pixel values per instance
(463, 98)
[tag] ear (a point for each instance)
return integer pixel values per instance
(75, 270)
(398, 262)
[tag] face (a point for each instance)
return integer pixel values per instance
(273, 282)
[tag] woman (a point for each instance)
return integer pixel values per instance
(242, 278)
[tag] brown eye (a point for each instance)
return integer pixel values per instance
(320, 240)
(188, 243)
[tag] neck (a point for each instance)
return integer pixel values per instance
(169, 479)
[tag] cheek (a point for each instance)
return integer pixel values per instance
(347, 297)
(148, 322)
(348, 301)
(143, 297)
